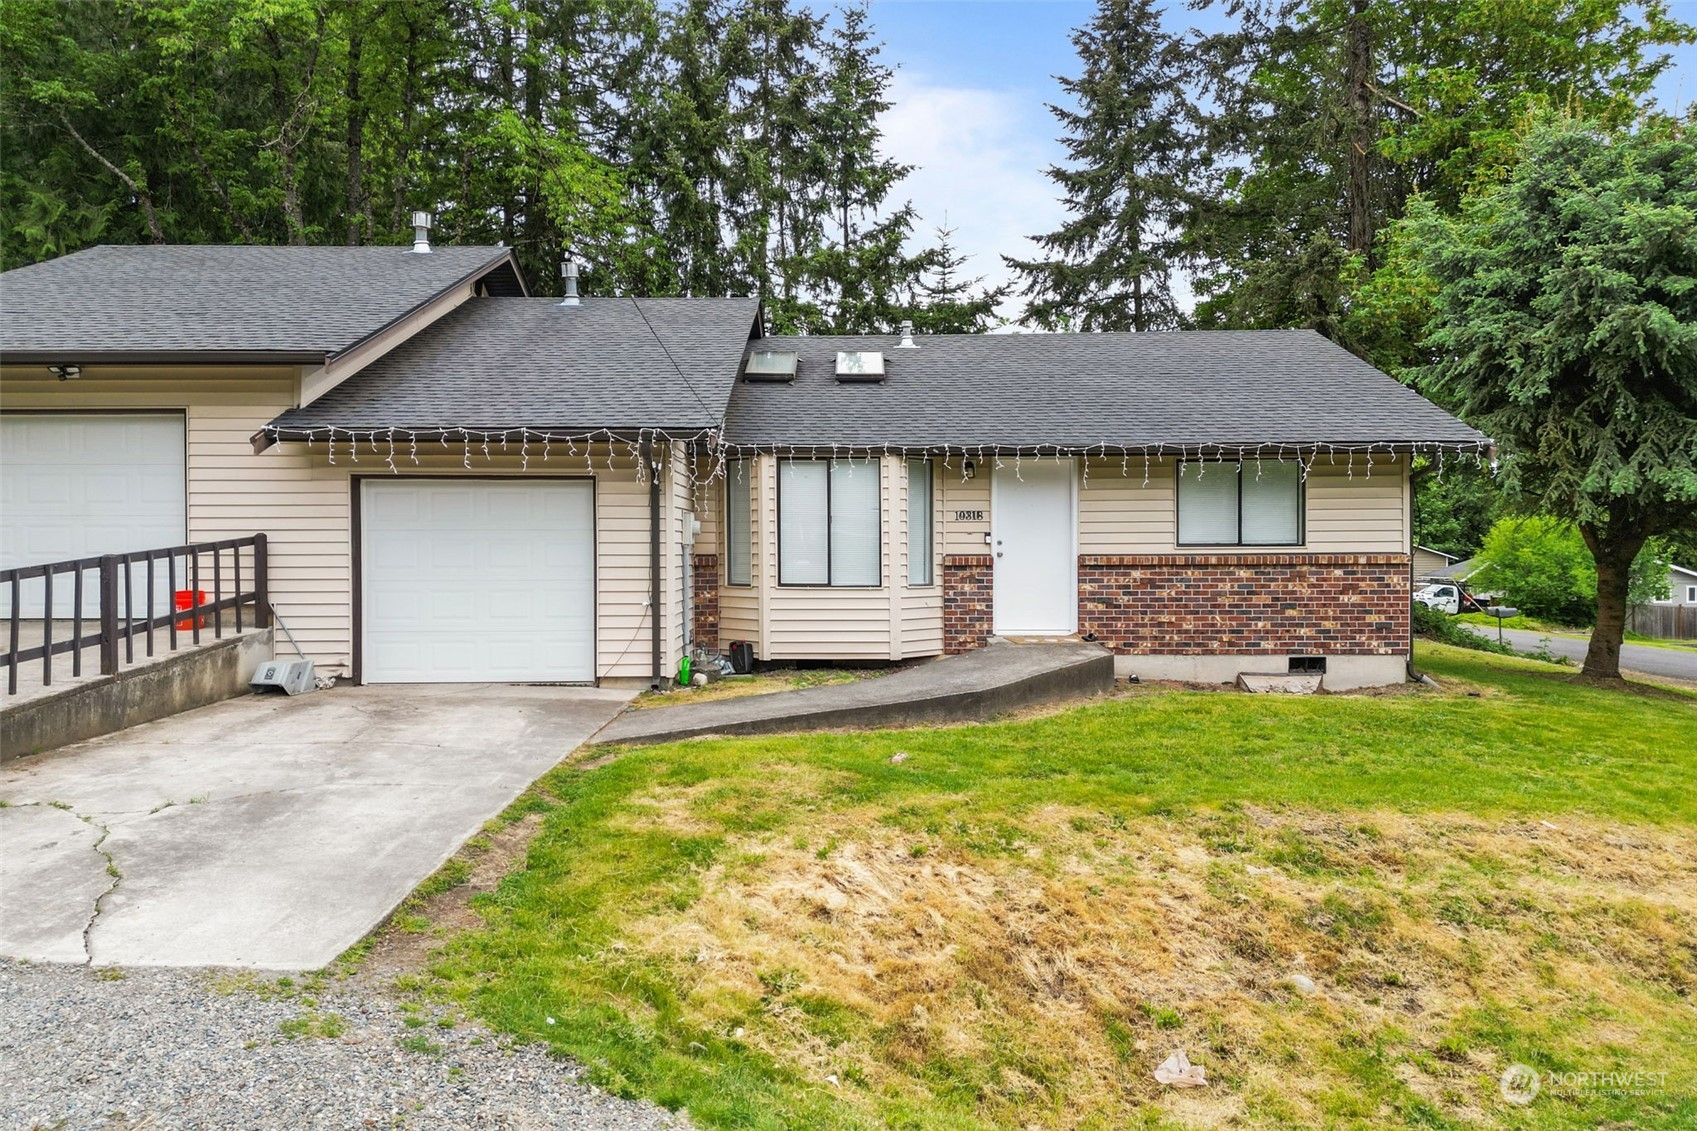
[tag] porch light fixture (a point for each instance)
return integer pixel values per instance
(969, 469)
(65, 372)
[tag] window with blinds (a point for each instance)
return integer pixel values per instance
(920, 565)
(739, 536)
(1220, 504)
(829, 531)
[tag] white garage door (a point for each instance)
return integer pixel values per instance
(77, 485)
(477, 581)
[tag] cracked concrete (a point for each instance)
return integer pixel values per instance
(265, 831)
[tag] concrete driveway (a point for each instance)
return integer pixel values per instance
(1645, 659)
(264, 831)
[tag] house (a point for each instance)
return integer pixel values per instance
(1682, 586)
(1429, 564)
(1455, 571)
(463, 483)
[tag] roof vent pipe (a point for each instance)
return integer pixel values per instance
(907, 342)
(421, 232)
(568, 272)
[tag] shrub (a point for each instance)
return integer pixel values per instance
(1542, 566)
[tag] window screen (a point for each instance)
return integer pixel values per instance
(855, 548)
(829, 531)
(1272, 504)
(919, 522)
(739, 538)
(804, 524)
(1222, 505)
(1207, 504)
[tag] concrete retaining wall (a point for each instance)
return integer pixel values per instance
(91, 708)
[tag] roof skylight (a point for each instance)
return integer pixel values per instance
(860, 365)
(770, 365)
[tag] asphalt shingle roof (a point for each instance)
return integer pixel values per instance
(1226, 387)
(493, 364)
(224, 299)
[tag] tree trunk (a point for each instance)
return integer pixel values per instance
(1360, 133)
(1613, 548)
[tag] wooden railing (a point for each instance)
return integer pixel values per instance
(129, 602)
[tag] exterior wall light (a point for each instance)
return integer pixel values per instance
(65, 372)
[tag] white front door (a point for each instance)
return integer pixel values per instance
(476, 581)
(1035, 525)
(77, 485)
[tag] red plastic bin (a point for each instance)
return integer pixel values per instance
(188, 599)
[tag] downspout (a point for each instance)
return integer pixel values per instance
(1414, 674)
(647, 455)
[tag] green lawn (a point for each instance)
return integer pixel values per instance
(1014, 923)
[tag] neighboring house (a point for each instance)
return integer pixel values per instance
(463, 484)
(1682, 586)
(1429, 564)
(1461, 570)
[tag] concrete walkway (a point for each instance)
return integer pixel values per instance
(1643, 659)
(265, 831)
(989, 681)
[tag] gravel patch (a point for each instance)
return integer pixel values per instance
(164, 1048)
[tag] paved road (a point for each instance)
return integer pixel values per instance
(265, 831)
(1674, 662)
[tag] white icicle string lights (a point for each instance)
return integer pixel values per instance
(710, 454)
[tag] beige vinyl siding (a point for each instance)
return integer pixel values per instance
(301, 500)
(1347, 511)
(955, 494)
(739, 605)
(708, 500)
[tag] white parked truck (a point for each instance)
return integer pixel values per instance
(1449, 597)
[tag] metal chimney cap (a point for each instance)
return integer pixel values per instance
(421, 232)
(568, 271)
(907, 342)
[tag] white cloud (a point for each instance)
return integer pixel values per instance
(980, 155)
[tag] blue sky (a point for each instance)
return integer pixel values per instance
(972, 81)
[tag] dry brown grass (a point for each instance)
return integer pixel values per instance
(1072, 957)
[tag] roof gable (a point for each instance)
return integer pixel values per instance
(213, 302)
(506, 364)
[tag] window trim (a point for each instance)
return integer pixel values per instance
(1301, 511)
(931, 570)
(1691, 594)
(877, 467)
(749, 470)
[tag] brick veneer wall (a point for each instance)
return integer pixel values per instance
(967, 602)
(1182, 604)
(706, 600)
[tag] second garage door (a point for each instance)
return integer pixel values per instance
(477, 581)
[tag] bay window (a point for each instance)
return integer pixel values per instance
(829, 529)
(919, 523)
(739, 538)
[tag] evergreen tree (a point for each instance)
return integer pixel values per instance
(1111, 263)
(944, 301)
(1566, 328)
(855, 278)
